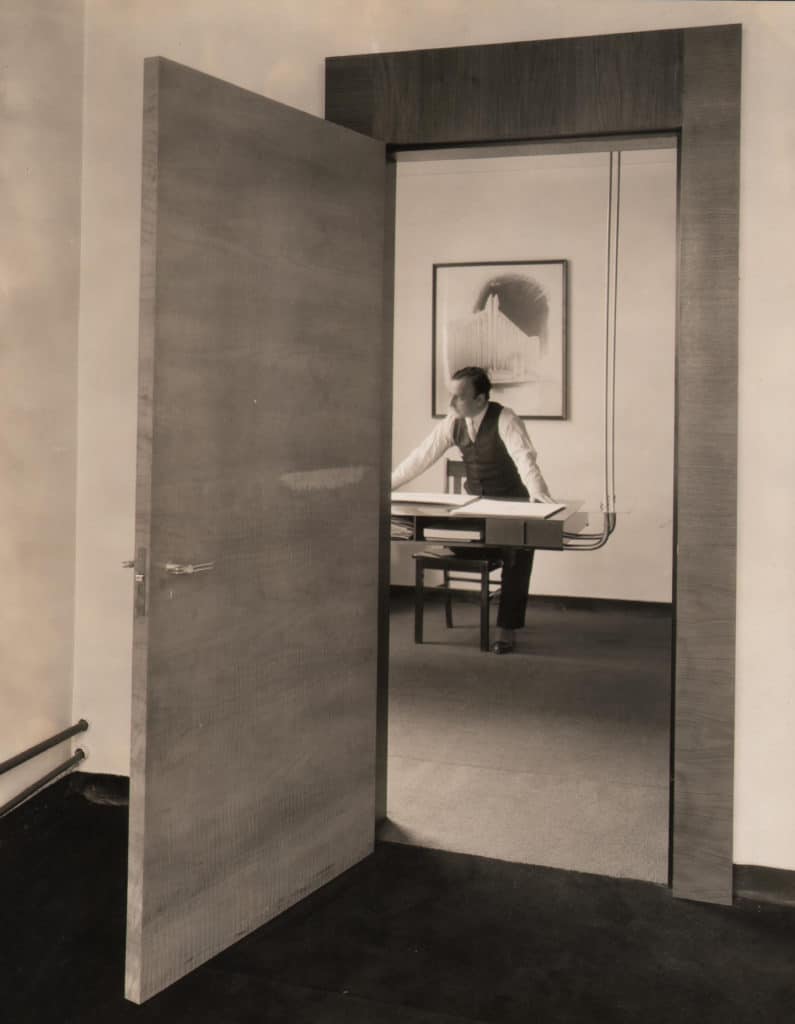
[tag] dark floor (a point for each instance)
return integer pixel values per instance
(410, 935)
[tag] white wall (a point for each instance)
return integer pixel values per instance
(278, 49)
(41, 63)
(544, 207)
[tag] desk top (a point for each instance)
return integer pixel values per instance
(461, 523)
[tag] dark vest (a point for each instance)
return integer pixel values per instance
(491, 471)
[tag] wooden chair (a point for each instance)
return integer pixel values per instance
(469, 578)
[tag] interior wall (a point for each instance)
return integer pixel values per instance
(279, 50)
(546, 207)
(41, 57)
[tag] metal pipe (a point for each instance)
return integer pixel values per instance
(53, 741)
(75, 759)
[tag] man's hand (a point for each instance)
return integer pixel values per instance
(544, 498)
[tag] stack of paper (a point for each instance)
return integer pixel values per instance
(452, 533)
(402, 528)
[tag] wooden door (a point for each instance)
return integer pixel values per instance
(260, 419)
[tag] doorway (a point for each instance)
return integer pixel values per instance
(558, 755)
(688, 82)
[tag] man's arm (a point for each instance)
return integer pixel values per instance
(515, 438)
(425, 454)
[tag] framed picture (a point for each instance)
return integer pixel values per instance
(510, 319)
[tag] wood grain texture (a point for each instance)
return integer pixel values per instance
(252, 775)
(680, 80)
(526, 90)
(384, 540)
(706, 452)
(143, 504)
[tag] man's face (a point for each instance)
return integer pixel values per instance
(463, 401)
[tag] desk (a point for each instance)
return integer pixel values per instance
(487, 532)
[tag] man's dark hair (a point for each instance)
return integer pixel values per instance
(480, 379)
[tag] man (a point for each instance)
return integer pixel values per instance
(500, 463)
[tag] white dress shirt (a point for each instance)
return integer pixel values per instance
(512, 434)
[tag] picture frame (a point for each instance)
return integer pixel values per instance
(509, 317)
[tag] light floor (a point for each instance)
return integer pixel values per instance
(555, 755)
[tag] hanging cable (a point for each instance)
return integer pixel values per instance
(593, 541)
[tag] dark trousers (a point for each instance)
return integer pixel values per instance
(517, 564)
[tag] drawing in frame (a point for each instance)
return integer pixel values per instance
(510, 318)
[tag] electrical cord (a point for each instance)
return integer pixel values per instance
(591, 541)
(594, 541)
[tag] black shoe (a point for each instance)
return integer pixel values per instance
(501, 647)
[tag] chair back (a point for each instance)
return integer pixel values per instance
(455, 475)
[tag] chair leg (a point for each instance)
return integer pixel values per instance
(418, 601)
(484, 609)
(448, 601)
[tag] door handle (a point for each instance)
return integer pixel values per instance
(188, 570)
(139, 564)
(139, 576)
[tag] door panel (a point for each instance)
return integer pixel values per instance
(260, 431)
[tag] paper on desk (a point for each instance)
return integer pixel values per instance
(430, 498)
(459, 534)
(497, 509)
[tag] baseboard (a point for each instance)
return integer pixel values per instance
(600, 604)
(764, 885)
(592, 604)
(101, 789)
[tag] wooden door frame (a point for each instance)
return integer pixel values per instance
(683, 81)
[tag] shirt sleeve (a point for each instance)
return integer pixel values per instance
(425, 454)
(515, 438)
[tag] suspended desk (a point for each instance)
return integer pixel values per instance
(461, 521)
(465, 520)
